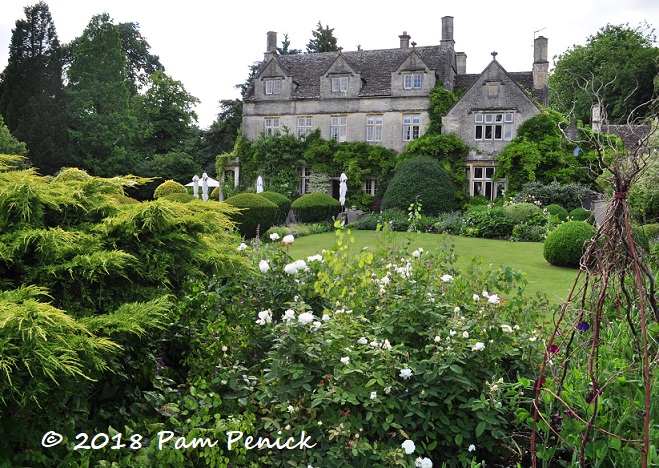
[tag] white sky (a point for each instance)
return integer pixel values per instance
(209, 45)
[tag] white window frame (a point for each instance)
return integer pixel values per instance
(412, 80)
(374, 124)
(370, 186)
(493, 126)
(304, 174)
(340, 84)
(273, 86)
(339, 127)
(304, 125)
(411, 126)
(481, 182)
(271, 125)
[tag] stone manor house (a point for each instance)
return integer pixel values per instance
(382, 97)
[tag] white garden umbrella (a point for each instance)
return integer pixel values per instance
(259, 184)
(343, 188)
(195, 186)
(204, 186)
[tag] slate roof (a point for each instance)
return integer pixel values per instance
(523, 79)
(374, 66)
(632, 136)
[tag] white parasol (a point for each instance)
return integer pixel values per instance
(259, 184)
(343, 188)
(195, 186)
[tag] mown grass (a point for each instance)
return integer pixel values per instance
(555, 282)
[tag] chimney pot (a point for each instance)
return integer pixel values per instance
(404, 40)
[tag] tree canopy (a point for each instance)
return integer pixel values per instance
(323, 40)
(618, 64)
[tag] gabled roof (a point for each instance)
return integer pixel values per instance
(374, 66)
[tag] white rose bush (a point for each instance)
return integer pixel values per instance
(359, 364)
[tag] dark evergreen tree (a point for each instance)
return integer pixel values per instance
(101, 124)
(323, 40)
(285, 47)
(222, 134)
(31, 90)
(140, 63)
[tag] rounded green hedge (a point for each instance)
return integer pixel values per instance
(71, 173)
(258, 212)
(168, 187)
(423, 176)
(566, 244)
(522, 212)
(282, 202)
(581, 214)
(315, 207)
(557, 210)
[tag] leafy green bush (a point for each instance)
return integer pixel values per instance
(491, 223)
(425, 177)
(315, 207)
(449, 223)
(570, 196)
(526, 232)
(258, 213)
(283, 203)
(71, 173)
(566, 244)
(581, 214)
(557, 210)
(651, 231)
(522, 212)
(168, 187)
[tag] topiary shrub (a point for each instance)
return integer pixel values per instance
(557, 210)
(282, 202)
(168, 187)
(258, 212)
(522, 212)
(581, 214)
(71, 173)
(423, 176)
(565, 245)
(315, 207)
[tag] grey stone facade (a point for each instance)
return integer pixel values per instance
(382, 96)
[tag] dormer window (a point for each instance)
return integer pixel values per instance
(340, 84)
(412, 80)
(273, 86)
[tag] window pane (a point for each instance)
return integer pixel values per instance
(417, 81)
(488, 132)
(407, 81)
(489, 172)
(508, 132)
(509, 117)
(488, 190)
(344, 120)
(489, 118)
(479, 132)
(498, 118)
(478, 172)
(478, 118)
(497, 132)
(378, 134)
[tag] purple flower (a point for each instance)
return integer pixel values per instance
(583, 326)
(553, 349)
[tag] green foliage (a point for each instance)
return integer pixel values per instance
(540, 153)
(565, 245)
(581, 214)
(522, 212)
(98, 99)
(651, 231)
(492, 223)
(315, 207)
(71, 173)
(9, 144)
(283, 203)
(570, 196)
(168, 187)
(619, 61)
(644, 194)
(179, 197)
(557, 210)
(425, 177)
(441, 100)
(323, 40)
(257, 214)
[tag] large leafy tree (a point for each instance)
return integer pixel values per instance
(140, 63)
(31, 89)
(8, 143)
(222, 134)
(618, 64)
(323, 40)
(98, 95)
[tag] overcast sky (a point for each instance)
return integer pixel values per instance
(209, 46)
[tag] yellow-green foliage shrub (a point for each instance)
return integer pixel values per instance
(168, 187)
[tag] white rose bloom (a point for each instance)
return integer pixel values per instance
(406, 373)
(493, 299)
(471, 448)
(326, 318)
(465, 334)
(456, 310)
(265, 316)
(289, 239)
(386, 345)
(409, 446)
(264, 266)
(438, 339)
(300, 265)
(446, 278)
(314, 258)
(452, 333)
(416, 253)
(426, 463)
(485, 294)
(288, 315)
(305, 318)
(345, 359)
(274, 237)
(374, 395)
(242, 246)
(478, 346)
(317, 324)
(291, 268)
(507, 328)
(362, 341)
(476, 297)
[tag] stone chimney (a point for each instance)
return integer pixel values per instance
(461, 63)
(447, 33)
(404, 40)
(271, 46)
(540, 63)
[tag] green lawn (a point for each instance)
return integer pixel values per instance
(526, 256)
